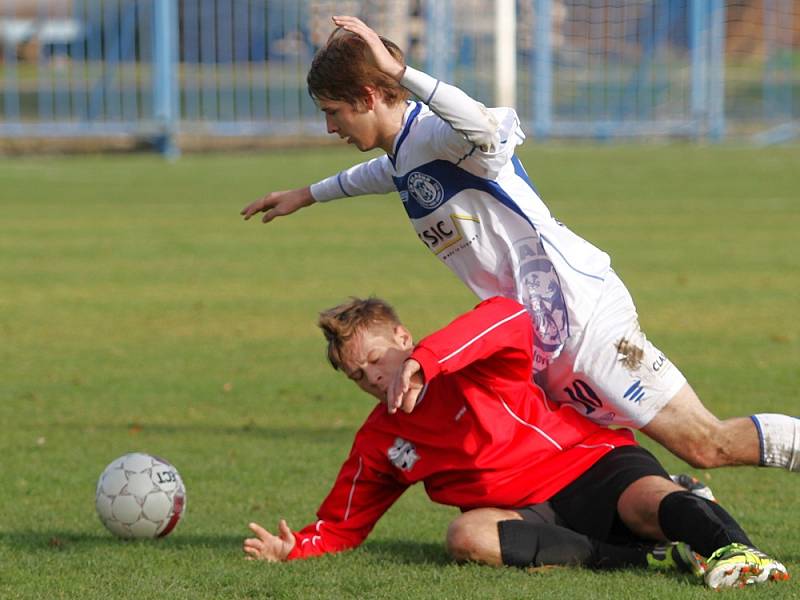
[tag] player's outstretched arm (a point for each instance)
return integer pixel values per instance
(383, 59)
(405, 388)
(279, 204)
(265, 546)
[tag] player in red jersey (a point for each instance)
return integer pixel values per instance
(484, 438)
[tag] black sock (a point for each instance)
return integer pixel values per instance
(524, 544)
(702, 524)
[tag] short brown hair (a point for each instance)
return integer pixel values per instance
(341, 323)
(342, 68)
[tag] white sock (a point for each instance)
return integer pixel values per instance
(779, 436)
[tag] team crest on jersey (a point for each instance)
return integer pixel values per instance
(536, 284)
(541, 293)
(426, 190)
(403, 454)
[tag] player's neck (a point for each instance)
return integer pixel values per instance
(391, 122)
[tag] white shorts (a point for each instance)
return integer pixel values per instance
(611, 373)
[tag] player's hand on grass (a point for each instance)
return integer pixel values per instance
(405, 388)
(265, 546)
(278, 204)
(383, 59)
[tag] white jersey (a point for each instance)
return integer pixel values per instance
(473, 205)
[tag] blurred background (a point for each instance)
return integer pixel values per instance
(183, 74)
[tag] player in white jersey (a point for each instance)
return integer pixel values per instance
(473, 205)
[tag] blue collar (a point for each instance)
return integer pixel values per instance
(404, 134)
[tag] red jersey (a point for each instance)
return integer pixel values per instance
(482, 434)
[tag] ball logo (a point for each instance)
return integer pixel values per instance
(426, 190)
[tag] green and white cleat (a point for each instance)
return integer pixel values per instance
(737, 565)
(678, 556)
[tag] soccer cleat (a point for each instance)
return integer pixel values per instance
(737, 565)
(677, 556)
(694, 485)
(687, 560)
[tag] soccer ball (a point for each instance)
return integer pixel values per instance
(140, 496)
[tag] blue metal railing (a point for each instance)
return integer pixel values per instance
(594, 68)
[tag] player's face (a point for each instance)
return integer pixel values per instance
(356, 124)
(374, 356)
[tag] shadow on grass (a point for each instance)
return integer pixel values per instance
(407, 552)
(389, 551)
(402, 552)
(55, 541)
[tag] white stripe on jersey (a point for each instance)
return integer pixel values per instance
(612, 446)
(353, 488)
(481, 334)
(530, 425)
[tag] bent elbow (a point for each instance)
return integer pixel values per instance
(487, 139)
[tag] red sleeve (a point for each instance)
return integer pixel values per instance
(361, 494)
(496, 326)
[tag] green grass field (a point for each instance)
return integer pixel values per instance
(138, 312)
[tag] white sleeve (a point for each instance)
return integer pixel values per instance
(464, 114)
(370, 177)
(489, 164)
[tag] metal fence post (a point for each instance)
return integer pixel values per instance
(165, 76)
(716, 80)
(439, 39)
(698, 44)
(543, 70)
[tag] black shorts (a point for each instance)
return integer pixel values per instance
(589, 504)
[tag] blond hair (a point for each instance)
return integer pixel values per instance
(343, 322)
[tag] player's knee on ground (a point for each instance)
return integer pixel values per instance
(473, 536)
(525, 544)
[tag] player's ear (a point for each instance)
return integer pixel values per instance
(403, 337)
(370, 96)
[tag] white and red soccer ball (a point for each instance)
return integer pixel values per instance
(140, 496)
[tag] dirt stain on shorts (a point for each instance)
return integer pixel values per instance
(631, 355)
